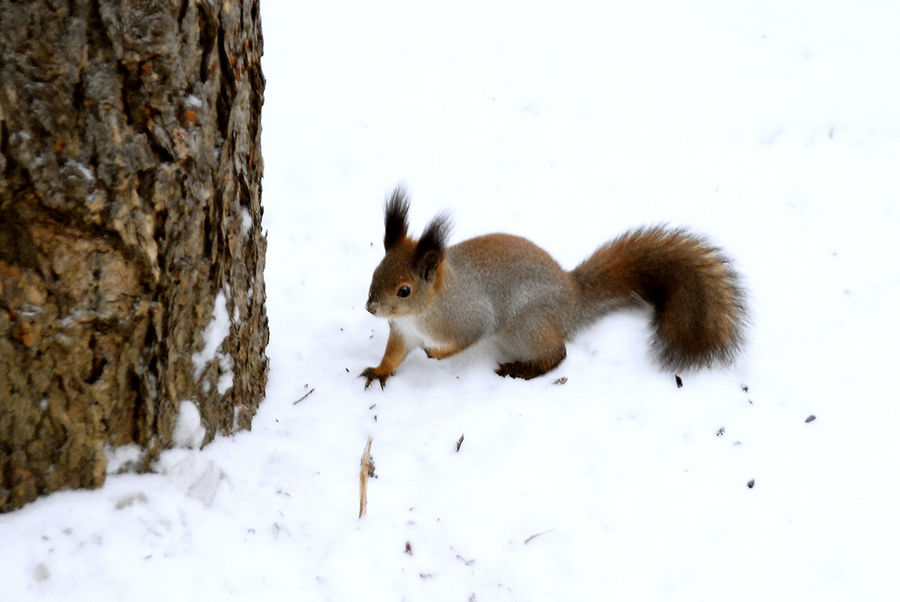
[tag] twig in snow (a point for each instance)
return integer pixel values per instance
(308, 393)
(366, 470)
(528, 539)
(459, 443)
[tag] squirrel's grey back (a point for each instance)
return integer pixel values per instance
(514, 273)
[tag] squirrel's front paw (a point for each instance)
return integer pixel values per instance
(371, 374)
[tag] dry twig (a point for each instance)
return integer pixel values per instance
(366, 470)
(308, 393)
(529, 538)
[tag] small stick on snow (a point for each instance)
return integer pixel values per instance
(366, 470)
(308, 393)
(528, 539)
(459, 443)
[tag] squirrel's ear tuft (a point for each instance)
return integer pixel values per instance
(395, 220)
(430, 248)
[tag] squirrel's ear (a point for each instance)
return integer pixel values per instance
(428, 265)
(430, 248)
(395, 221)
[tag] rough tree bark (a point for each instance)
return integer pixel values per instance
(131, 248)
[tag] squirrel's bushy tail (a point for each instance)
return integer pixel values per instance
(698, 303)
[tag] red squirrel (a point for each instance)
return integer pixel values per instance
(505, 287)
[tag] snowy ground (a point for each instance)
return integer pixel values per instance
(772, 126)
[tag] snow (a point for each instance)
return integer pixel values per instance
(122, 457)
(193, 101)
(83, 170)
(214, 335)
(189, 430)
(246, 221)
(771, 127)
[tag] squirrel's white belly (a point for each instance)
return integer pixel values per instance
(414, 334)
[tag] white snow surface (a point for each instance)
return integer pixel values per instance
(215, 333)
(189, 429)
(771, 126)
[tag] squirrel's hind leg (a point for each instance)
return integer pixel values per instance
(535, 344)
(530, 368)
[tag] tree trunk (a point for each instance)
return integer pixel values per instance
(131, 250)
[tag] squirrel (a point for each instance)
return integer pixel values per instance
(443, 299)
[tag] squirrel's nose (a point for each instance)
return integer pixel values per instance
(371, 306)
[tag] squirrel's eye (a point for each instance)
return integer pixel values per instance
(403, 291)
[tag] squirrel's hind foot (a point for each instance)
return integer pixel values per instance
(531, 369)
